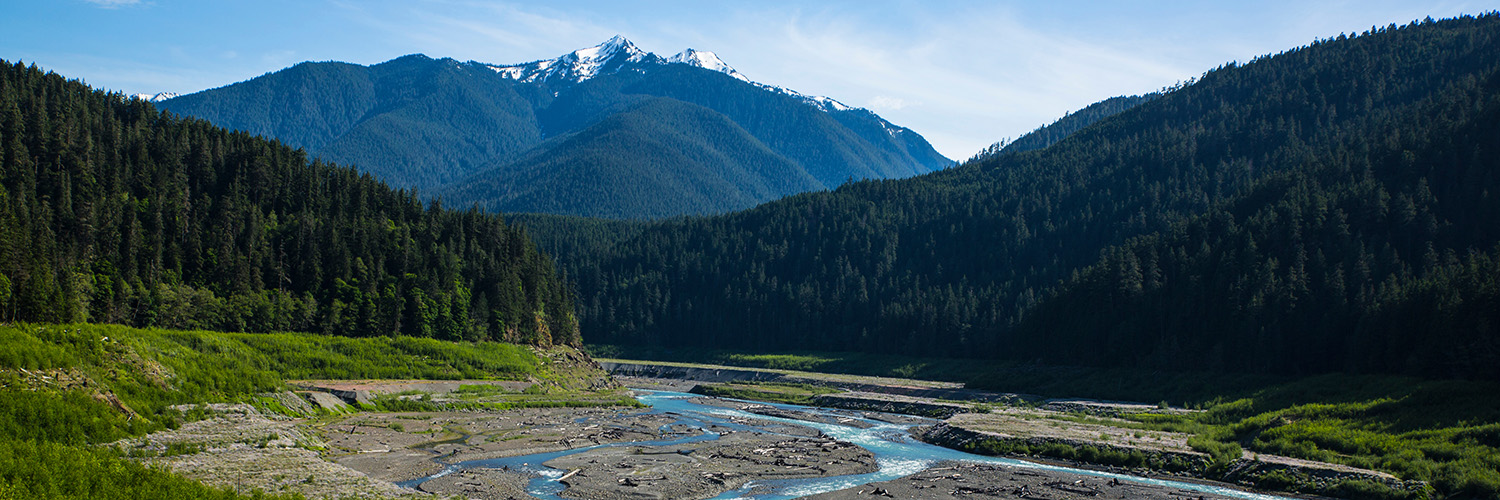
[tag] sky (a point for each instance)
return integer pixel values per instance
(964, 74)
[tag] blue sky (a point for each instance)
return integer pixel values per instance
(963, 74)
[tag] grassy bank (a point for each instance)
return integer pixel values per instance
(1444, 432)
(495, 398)
(64, 389)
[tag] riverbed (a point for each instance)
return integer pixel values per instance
(712, 448)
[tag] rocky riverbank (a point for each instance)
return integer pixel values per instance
(1168, 454)
(968, 481)
(707, 468)
(239, 448)
(1148, 453)
(362, 454)
(1085, 433)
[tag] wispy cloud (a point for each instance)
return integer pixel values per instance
(882, 103)
(963, 77)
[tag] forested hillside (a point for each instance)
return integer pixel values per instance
(114, 212)
(660, 157)
(1060, 129)
(1329, 208)
(641, 138)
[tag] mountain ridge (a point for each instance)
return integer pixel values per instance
(442, 126)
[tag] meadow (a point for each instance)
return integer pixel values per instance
(66, 390)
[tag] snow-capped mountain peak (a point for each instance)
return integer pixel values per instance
(616, 46)
(159, 97)
(706, 60)
(619, 53)
(579, 65)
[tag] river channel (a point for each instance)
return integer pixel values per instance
(896, 453)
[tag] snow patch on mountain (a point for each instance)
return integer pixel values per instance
(618, 53)
(159, 97)
(706, 60)
(710, 61)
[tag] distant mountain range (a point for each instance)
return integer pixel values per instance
(608, 131)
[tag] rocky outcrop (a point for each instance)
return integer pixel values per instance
(1133, 460)
(329, 402)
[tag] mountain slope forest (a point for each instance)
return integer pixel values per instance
(1060, 129)
(567, 237)
(113, 212)
(470, 135)
(1328, 208)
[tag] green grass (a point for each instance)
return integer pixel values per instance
(50, 430)
(32, 469)
(151, 369)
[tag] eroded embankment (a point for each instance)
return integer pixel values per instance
(1256, 471)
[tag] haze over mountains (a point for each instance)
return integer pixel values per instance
(608, 131)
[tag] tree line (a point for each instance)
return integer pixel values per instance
(111, 211)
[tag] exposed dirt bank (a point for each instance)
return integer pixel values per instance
(237, 447)
(960, 480)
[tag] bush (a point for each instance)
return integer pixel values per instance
(1222, 453)
(33, 469)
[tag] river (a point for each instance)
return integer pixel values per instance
(897, 454)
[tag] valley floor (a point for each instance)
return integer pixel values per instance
(363, 454)
(1082, 433)
(398, 433)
